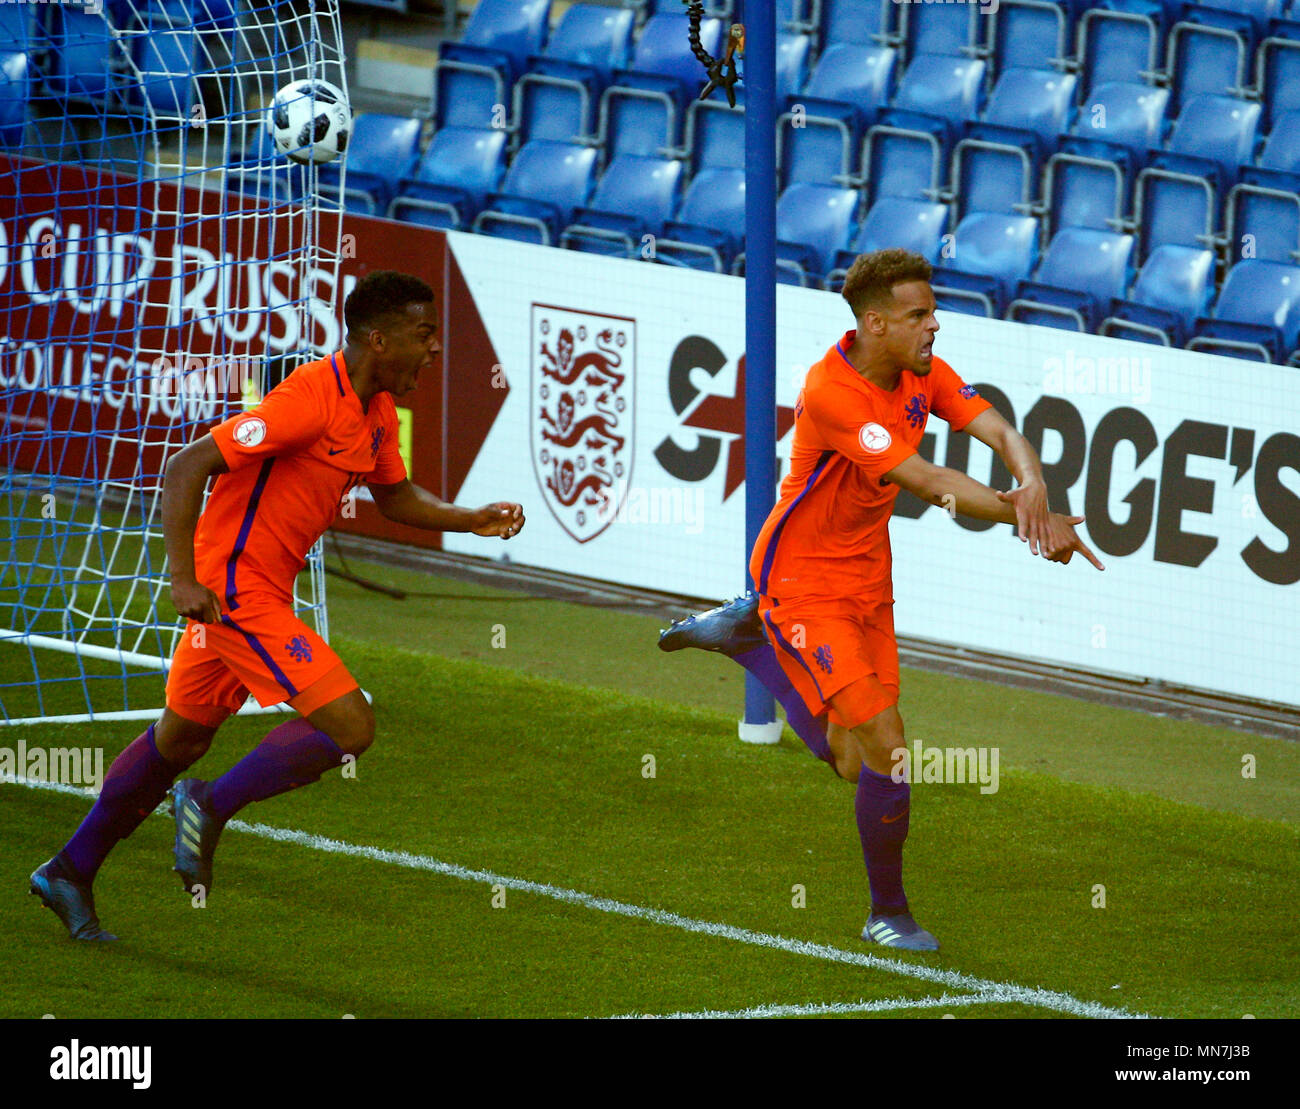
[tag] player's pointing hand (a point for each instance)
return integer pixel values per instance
(503, 518)
(1065, 541)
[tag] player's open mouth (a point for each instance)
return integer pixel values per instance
(926, 351)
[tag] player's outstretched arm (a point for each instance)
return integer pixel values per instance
(1029, 498)
(406, 503)
(184, 480)
(958, 492)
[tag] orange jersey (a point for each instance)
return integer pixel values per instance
(292, 459)
(828, 536)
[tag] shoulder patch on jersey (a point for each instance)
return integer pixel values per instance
(249, 432)
(968, 391)
(874, 438)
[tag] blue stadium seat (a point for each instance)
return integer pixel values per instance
(1219, 129)
(15, 96)
(84, 55)
(1038, 100)
(1208, 56)
(166, 56)
(1257, 315)
(704, 234)
(1029, 34)
(1263, 223)
(1281, 153)
(893, 221)
(1174, 287)
(1081, 273)
(638, 121)
(859, 21)
(593, 37)
(819, 150)
(1174, 207)
(502, 35)
(663, 50)
(466, 94)
(990, 254)
(1081, 189)
(460, 167)
(556, 98)
(855, 74)
(715, 136)
(992, 177)
(543, 187)
(812, 226)
(383, 149)
(949, 88)
(1261, 12)
(549, 106)
(1116, 46)
(1277, 77)
(1131, 115)
(792, 52)
(905, 155)
(16, 29)
(939, 29)
(634, 198)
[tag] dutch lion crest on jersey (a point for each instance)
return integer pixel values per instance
(582, 414)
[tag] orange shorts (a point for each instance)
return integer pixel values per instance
(267, 652)
(840, 657)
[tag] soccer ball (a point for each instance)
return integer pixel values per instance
(310, 121)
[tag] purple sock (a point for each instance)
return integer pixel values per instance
(763, 664)
(882, 806)
(133, 787)
(292, 755)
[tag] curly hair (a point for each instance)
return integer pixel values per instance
(872, 277)
(380, 296)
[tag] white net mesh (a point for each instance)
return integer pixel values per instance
(160, 266)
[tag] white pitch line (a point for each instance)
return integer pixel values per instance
(997, 992)
(836, 1008)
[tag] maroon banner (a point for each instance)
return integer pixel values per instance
(133, 312)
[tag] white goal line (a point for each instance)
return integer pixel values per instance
(990, 991)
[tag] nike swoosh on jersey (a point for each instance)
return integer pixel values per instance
(339, 451)
(893, 819)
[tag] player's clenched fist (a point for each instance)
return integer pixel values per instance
(196, 602)
(502, 518)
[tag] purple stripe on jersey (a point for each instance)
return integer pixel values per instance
(265, 655)
(337, 376)
(781, 641)
(241, 539)
(770, 553)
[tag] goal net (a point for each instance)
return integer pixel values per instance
(160, 268)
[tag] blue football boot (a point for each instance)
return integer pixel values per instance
(69, 899)
(197, 831)
(730, 629)
(899, 931)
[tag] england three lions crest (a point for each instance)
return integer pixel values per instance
(582, 415)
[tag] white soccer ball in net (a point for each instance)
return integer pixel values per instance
(310, 121)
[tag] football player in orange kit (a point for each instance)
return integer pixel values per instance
(819, 633)
(282, 470)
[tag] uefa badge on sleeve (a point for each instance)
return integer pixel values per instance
(250, 431)
(874, 438)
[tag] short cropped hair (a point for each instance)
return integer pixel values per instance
(380, 296)
(872, 277)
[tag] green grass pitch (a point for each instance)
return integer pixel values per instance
(729, 881)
